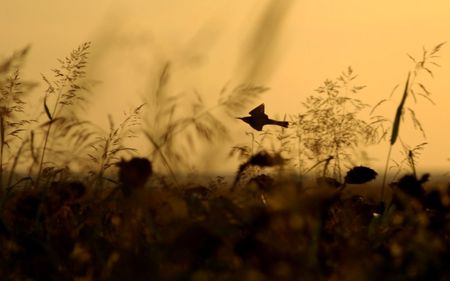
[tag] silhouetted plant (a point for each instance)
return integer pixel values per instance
(415, 89)
(409, 191)
(261, 159)
(331, 124)
(409, 159)
(359, 175)
(61, 232)
(264, 182)
(174, 124)
(109, 148)
(12, 120)
(134, 174)
(328, 181)
(63, 90)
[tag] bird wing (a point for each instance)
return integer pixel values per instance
(257, 110)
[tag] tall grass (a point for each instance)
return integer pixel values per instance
(108, 149)
(177, 125)
(332, 125)
(395, 131)
(64, 89)
(13, 121)
(264, 227)
(415, 89)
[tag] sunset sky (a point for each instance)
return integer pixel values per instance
(211, 43)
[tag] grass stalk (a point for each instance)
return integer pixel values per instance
(385, 174)
(2, 147)
(14, 164)
(163, 157)
(395, 132)
(47, 133)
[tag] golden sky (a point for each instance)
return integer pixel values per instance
(208, 41)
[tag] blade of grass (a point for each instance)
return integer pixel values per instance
(47, 111)
(163, 157)
(398, 114)
(394, 134)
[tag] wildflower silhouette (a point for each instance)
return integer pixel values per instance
(412, 186)
(261, 159)
(258, 119)
(360, 175)
(134, 174)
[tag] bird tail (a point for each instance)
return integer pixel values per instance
(284, 124)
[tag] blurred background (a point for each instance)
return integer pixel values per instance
(289, 46)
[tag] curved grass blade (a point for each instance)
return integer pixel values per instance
(47, 111)
(398, 114)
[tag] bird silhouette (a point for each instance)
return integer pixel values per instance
(258, 119)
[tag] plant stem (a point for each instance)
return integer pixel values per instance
(41, 161)
(385, 174)
(47, 135)
(163, 157)
(14, 164)
(99, 180)
(2, 146)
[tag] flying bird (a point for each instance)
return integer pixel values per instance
(258, 119)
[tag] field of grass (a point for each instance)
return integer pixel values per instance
(72, 207)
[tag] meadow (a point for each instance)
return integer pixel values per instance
(79, 203)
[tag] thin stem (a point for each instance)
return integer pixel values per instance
(163, 157)
(385, 174)
(2, 146)
(41, 161)
(192, 121)
(47, 135)
(13, 167)
(99, 181)
(411, 161)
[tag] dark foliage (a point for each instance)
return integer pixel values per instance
(360, 175)
(62, 233)
(53, 227)
(328, 181)
(134, 174)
